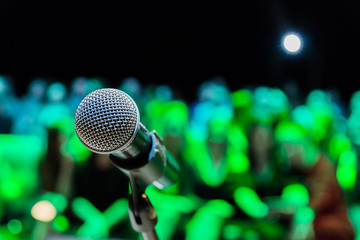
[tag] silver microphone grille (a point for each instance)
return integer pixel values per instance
(107, 120)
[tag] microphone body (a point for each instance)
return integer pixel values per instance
(107, 121)
(148, 160)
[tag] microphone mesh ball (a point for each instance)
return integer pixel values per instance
(106, 120)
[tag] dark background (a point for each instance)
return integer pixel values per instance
(182, 44)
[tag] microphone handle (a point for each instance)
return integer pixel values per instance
(151, 235)
(155, 166)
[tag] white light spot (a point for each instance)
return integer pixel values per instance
(43, 211)
(292, 43)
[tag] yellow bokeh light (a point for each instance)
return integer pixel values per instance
(43, 211)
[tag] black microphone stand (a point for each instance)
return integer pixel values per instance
(142, 214)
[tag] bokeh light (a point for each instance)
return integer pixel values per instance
(43, 211)
(14, 226)
(292, 43)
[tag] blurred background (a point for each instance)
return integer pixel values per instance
(258, 101)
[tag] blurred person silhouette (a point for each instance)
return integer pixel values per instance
(158, 98)
(338, 146)
(353, 134)
(132, 86)
(270, 106)
(78, 91)
(326, 215)
(56, 169)
(31, 105)
(207, 136)
(257, 113)
(292, 91)
(324, 119)
(80, 87)
(8, 104)
(34, 98)
(206, 156)
(323, 114)
(168, 116)
(55, 111)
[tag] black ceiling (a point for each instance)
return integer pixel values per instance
(171, 42)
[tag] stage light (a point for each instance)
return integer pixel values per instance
(43, 211)
(292, 43)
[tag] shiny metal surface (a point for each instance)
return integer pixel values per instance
(107, 120)
(137, 146)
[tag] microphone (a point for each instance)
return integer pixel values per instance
(107, 121)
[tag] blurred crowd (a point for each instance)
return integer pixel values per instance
(256, 163)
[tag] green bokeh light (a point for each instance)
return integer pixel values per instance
(338, 144)
(232, 231)
(206, 223)
(84, 209)
(237, 138)
(346, 170)
(218, 129)
(270, 104)
(55, 115)
(303, 116)
(14, 226)
(212, 173)
(354, 215)
(248, 201)
(10, 189)
(57, 200)
(242, 98)
(303, 215)
(238, 162)
(168, 201)
(74, 148)
(355, 102)
(221, 208)
(295, 194)
(60, 223)
(98, 224)
(31, 147)
(117, 212)
(316, 98)
(353, 127)
(242, 103)
(94, 222)
(323, 113)
(287, 131)
(175, 118)
(5, 234)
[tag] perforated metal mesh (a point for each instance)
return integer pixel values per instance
(106, 120)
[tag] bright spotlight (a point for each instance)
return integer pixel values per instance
(43, 211)
(292, 43)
